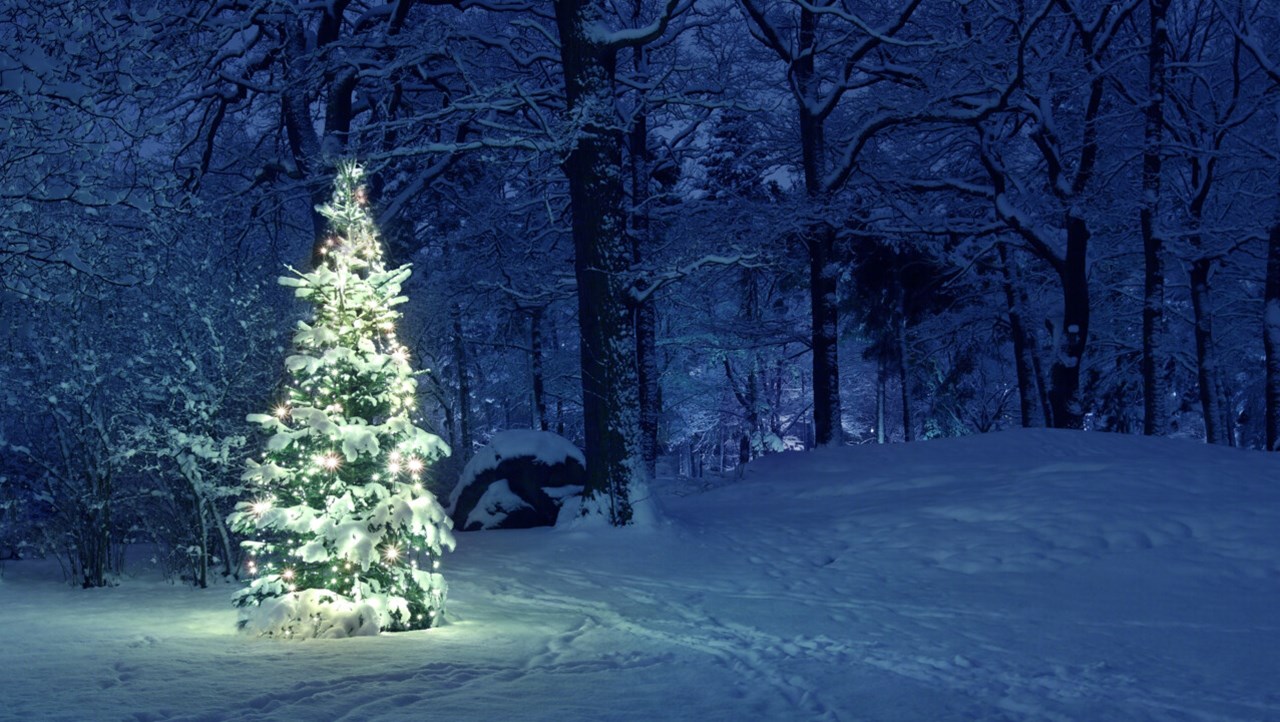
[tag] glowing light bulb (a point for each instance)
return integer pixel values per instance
(393, 468)
(391, 553)
(415, 465)
(287, 574)
(282, 411)
(261, 507)
(329, 461)
(400, 356)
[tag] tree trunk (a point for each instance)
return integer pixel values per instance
(1206, 354)
(823, 272)
(881, 382)
(1042, 386)
(904, 383)
(202, 562)
(646, 312)
(1155, 405)
(306, 146)
(647, 376)
(536, 364)
(820, 242)
(1064, 375)
(1029, 401)
(602, 259)
(463, 451)
(229, 561)
(1271, 338)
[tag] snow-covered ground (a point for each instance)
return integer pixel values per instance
(1021, 575)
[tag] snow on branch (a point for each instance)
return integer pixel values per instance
(885, 35)
(1269, 65)
(634, 37)
(645, 286)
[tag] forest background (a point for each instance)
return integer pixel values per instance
(682, 234)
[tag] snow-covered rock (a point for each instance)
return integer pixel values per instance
(519, 480)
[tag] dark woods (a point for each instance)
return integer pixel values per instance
(680, 233)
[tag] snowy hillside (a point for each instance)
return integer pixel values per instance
(1022, 575)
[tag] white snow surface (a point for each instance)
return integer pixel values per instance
(544, 446)
(1027, 575)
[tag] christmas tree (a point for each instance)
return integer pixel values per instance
(343, 537)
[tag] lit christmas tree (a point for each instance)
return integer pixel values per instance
(344, 539)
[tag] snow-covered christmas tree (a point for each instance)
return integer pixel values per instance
(343, 537)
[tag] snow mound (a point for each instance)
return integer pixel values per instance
(1024, 576)
(522, 479)
(310, 614)
(543, 446)
(1035, 500)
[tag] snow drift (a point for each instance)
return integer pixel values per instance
(1028, 575)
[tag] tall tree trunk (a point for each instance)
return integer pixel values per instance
(307, 146)
(1271, 338)
(820, 242)
(229, 552)
(904, 377)
(602, 259)
(823, 272)
(202, 560)
(1029, 400)
(646, 312)
(1206, 354)
(647, 377)
(882, 380)
(463, 451)
(1155, 414)
(747, 395)
(1042, 386)
(536, 364)
(1065, 397)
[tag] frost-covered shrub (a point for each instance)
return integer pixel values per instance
(16, 534)
(519, 480)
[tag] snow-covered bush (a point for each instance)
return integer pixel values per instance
(71, 444)
(519, 480)
(212, 362)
